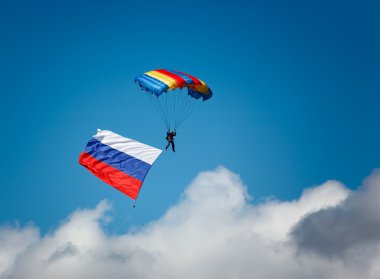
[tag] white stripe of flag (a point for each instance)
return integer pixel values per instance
(128, 146)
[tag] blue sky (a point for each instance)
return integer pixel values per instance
(296, 96)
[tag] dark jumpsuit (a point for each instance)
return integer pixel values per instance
(170, 138)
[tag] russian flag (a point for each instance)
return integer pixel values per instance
(121, 162)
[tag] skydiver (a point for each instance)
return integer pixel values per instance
(170, 138)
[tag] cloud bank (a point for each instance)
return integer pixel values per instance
(212, 232)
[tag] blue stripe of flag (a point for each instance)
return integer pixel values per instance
(117, 159)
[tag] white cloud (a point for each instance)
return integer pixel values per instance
(14, 242)
(212, 232)
(353, 226)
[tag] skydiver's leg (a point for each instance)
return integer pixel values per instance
(167, 145)
(173, 146)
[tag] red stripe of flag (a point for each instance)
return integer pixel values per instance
(117, 179)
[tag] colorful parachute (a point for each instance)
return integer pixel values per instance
(121, 162)
(173, 106)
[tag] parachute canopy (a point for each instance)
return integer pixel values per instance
(162, 80)
(121, 162)
(173, 104)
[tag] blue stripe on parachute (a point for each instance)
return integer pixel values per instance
(195, 94)
(208, 95)
(128, 164)
(185, 77)
(150, 84)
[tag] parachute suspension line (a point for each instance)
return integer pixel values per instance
(167, 108)
(174, 107)
(181, 109)
(155, 103)
(189, 103)
(164, 104)
(160, 101)
(162, 109)
(171, 104)
(189, 108)
(178, 106)
(176, 101)
(176, 94)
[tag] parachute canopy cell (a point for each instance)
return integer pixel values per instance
(163, 80)
(121, 162)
